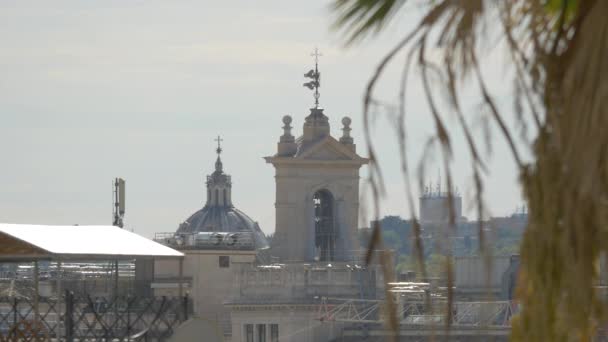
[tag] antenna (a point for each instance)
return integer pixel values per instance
(438, 182)
(119, 202)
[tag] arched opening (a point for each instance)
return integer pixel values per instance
(325, 234)
(217, 197)
(225, 198)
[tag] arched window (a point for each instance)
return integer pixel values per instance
(217, 197)
(225, 198)
(325, 234)
(208, 196)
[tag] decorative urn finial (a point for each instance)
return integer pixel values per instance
(287, 137)
(346, 139)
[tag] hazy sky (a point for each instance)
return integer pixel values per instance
(92, 90)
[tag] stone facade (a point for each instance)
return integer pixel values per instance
(289, 297)
(316, 163)
(275, 294)
(293, 322)
(315, 240)
(217, 240)
(209, 275)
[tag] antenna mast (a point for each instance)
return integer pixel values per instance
(118, 208)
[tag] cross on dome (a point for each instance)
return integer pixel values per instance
(218, 162)
(219, 148)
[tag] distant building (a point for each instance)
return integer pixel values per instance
(288, 290)
(476, 278)
(251, 290)
(434, 206)
(218, 241)
(461, 237)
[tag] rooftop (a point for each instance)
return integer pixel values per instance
(46, 242)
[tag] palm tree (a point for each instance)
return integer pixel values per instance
(558, 50)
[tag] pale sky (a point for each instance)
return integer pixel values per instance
(92, 90)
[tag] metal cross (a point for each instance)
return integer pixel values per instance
(219, 140)
(316, 54)
(315, 75)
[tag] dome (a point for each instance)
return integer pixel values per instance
(219, 214)
(223, 219)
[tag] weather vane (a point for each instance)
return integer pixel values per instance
(219, 148)
(315, 75)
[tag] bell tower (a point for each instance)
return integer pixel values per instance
(317, 188)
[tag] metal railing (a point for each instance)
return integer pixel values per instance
(207, 240)
(80, 318)
(471, 314)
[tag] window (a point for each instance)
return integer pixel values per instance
(224, 261)
(248, 332)
(325, 235)
(261, 332)
(274, 333)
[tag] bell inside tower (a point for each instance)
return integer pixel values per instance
(325, 235)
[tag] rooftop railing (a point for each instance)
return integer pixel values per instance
(207, 240)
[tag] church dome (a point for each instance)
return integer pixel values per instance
(219, 217)
(223, 219)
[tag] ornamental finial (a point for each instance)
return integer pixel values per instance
(219, 148)
(287, 137)
(346, 138)
(315, 75)
(218, 162)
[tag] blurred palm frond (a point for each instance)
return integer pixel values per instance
(558, 50)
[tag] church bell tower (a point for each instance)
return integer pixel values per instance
(317, 188)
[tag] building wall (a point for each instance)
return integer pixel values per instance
(211, 284)
(436, 208)
(295, 188)
(471, 276)
(305, 282)
(144, 275)
(295, 323)
(290, 295)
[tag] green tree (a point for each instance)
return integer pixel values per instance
(436, 265)
(558, 50)
(392, 239)
(405, 263)
(396, 233)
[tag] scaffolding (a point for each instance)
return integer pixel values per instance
(414, 313)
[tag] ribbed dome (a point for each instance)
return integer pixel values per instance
(223, 219)
(219, 214)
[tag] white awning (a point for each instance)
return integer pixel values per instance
(36, 242)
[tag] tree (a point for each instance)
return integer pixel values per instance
(405, 263)
(396, 232)
(558, 50)
(435, 264)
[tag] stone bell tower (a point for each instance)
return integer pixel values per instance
(317, 189)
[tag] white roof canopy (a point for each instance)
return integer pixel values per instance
(38, 242)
